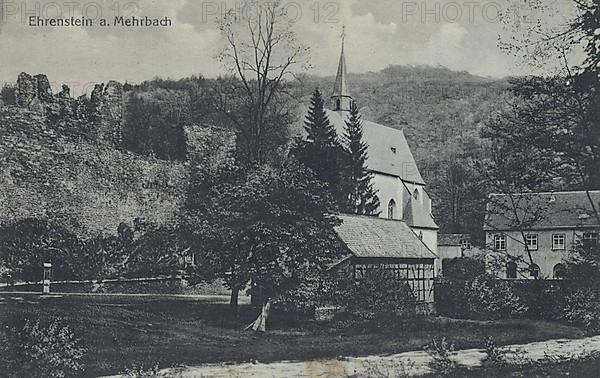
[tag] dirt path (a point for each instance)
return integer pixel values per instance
(409, 363)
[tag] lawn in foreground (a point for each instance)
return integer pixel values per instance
(122, 332)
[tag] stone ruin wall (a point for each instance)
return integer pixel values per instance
(103, 111)
(91, 185)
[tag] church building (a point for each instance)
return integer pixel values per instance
(403, 239)
(400, 187)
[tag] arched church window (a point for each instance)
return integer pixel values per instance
(511, 269)
(416, 194)
(338, 104)
(558, 271)
(391, 209)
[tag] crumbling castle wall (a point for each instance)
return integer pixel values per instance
(80, 184)
(86, 182)
(33, 90)
(104, 109)
(108, 105)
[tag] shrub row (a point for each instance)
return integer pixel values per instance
(486, 297)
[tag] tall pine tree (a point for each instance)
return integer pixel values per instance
(322, 152)
(362, 197)
(317, 125)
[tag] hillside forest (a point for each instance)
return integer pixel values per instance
(441, 112)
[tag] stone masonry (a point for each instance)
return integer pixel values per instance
(104, 109)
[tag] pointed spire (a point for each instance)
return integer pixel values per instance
(341, 98)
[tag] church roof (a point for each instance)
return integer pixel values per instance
(416, 216)
(381, 238)
(388, 151)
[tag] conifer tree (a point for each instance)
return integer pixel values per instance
(322, 152)
(320, 130)
(362, 197)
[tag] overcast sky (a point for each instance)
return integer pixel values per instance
(458, 35)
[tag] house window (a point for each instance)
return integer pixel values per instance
(500, 242)
(511, 269)
(465, 244)
(590, 239)
(534, 271)
(532, 242)
(391, 209)
(558, 272)
(359, 272)
(558, 241)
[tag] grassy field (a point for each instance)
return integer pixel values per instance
(122, 332)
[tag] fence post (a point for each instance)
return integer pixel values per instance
(47, 278)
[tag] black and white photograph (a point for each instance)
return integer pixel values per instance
(299, 188)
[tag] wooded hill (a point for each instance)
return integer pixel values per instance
(441, 112)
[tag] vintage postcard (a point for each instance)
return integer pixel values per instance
(308, 188)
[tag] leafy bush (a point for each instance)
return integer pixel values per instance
(304, 299)
(27, 244)
(380, 298)
(489, 298)
(140, 371)
(582, 306)
(462, 268)
(483, 297)
(494, 356)
(146, 250)
(582, 301)
(440, 351)
(36, 349)
(545, 299)
(376, 368)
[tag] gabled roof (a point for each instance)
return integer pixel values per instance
(542, 210)
(416, 216)
(388, 151)
(382, 238)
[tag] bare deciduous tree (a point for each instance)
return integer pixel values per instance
(263, 53)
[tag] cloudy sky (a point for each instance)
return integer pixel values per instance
(458, 35)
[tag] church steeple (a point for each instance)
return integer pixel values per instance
(341, 98)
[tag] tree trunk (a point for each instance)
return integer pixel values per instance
(233, 301)
(260, 324)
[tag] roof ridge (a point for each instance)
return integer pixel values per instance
(372, 217)
(401, 130)
(558, 192)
